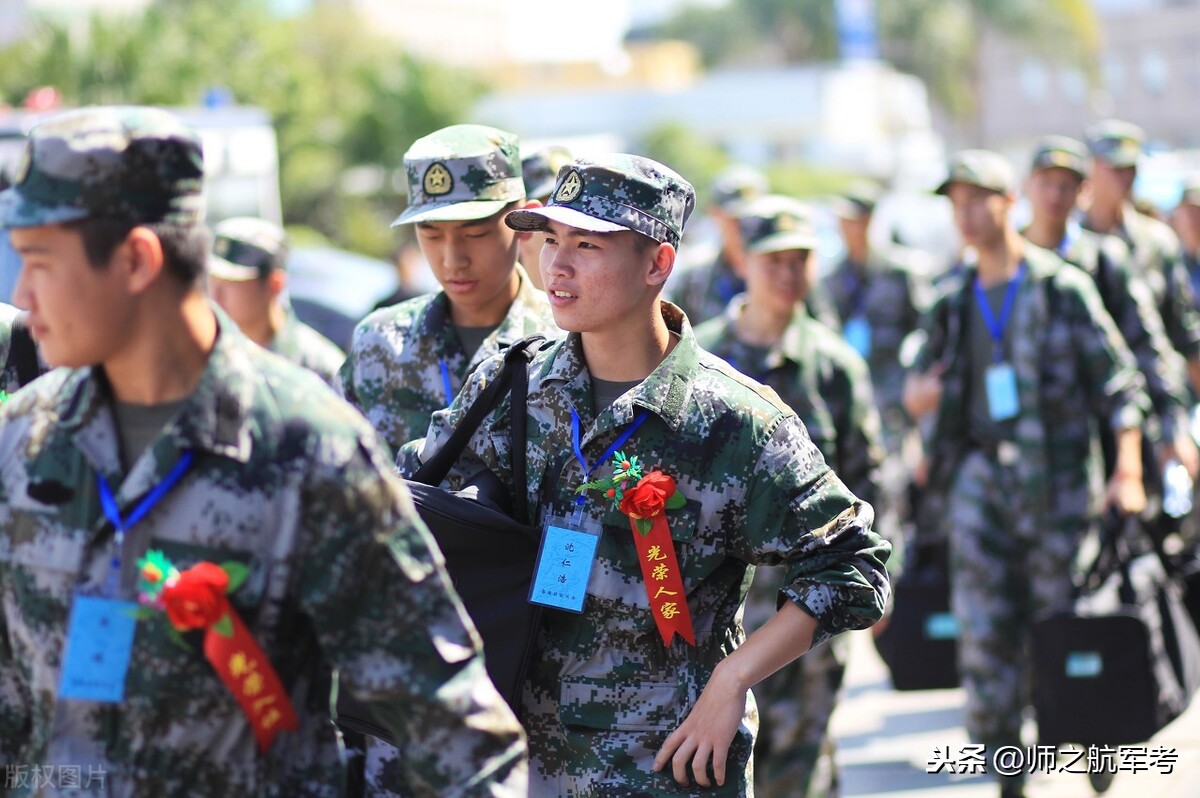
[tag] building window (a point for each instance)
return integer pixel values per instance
(1155, 72)
(1034, 82)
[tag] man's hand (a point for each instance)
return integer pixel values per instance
(923, 392)
(706, 733)
(1125, 493)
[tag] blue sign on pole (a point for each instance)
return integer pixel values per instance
(858, 38)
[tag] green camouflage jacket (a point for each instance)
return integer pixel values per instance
(393, 373)
(894, 295)
(1158, 259)
(604, 692)
(304, 346)
(821, 378)
(1073, 371)
(1126, 297)
(290, 482)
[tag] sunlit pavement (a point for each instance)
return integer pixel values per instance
(887, 739)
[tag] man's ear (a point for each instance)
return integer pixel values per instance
(276, 282)
(662, 265)
(141, 255)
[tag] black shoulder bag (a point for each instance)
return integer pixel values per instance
(489, 546)
(22, 351)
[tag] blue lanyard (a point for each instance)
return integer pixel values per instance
(609, 452)
(108, 503)
(857, 289)
(996, 326)
(446, 383)
(1069, 238)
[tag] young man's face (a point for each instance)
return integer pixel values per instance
(248, 302)
(979, 214)
(1187, 225)
(597, 282)
(1052, 193)
(80, 314)
(854, 231)
(1111, 184)
(474, 263)
(777, 281)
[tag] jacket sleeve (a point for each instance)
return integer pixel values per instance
(389, 621)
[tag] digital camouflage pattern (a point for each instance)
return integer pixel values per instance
(1073, 370)
(1128, 301)
(1116, 142)
(735, 185)
(1060, 152)
(245, 248)
(9, 382)
(139, 165)
(540, 168)
(826, 383)
(892, 291)
(776, 223)
(291, 483)
(298, 343)
(703, 284)
(613, 193)
(1158, 260)
(461, 172)
(393, 373)
(982, 168)
(604, 692)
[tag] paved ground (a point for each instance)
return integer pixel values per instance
(886, 740)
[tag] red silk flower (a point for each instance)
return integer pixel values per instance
(649, 497)
(196, 600)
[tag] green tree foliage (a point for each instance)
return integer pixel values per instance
(687, 152)
(339, 96)
(937, 40)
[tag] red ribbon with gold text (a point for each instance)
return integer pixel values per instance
(197, 599)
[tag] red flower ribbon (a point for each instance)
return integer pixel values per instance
(645, 504)
(197, 599)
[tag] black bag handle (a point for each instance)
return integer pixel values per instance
(513, 378)
(22, 351)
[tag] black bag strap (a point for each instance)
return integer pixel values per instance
(22, 351)
(513, 378)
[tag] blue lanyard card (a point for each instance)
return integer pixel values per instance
(99, 645)
(1002, 391)
(857, 331)
(564, 566)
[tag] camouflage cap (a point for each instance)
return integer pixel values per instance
(614, 193)
(858, 201)
(737, 184)
(245, 248)
(1117, 143)
(775, 223)
(461, 173)
(1191, 192)
(141, 165)
(539, 168)
(982, 168)
(1060, 152)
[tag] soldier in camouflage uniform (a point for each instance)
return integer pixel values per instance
(411, 359)
(768, 335)
(538, 171)
(254, 464)
(609, 707)
(708, 280)
(1157, 256)
(1056, 177)
(1187, 225)
(247, 279)
(1028, 363)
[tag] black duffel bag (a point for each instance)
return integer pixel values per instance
(485, 536)
(919, 643)
(1125, 661)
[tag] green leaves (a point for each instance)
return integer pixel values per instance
(237, 574)
(642, 525)
(224, 627)
(676, 501)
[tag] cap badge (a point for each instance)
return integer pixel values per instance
(571, 188)
(785, 223)
(437, 180)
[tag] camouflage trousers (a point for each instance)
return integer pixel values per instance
(794, 756)
(1000, 581)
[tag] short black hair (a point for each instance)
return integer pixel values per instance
(185, 247)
